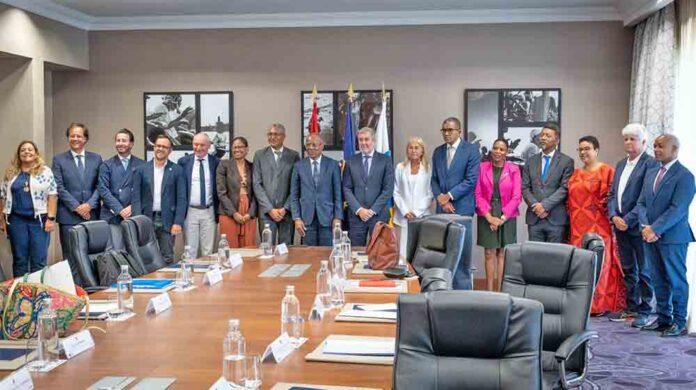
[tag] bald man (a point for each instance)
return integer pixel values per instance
(315, 194)
(201, 194)
(663, 212)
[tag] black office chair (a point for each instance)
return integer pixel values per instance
(561, 277)
(434, 249)
(141, 242)
(594, 242)
(465, 261)
(87, 241)
(467, 340)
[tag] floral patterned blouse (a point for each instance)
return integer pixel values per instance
(41, 186)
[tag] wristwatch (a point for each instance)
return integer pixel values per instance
(52, 219)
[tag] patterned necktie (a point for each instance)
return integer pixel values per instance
(545, 169)
(366, 165)
(201, 181)
(277, 156)
(80, 165)
(315, 173)
(124, 162)
(658, 180)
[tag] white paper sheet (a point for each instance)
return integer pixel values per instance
(387, 315)
(376, 307)
(359, 347)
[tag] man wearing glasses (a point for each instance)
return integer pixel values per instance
(272, 172)
(159, 192)
(454, 176)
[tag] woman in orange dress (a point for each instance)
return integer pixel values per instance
(588, 189)
(237, 202)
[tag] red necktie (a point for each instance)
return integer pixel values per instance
(658, 180)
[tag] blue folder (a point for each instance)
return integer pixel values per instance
(150, 284)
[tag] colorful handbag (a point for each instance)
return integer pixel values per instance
(21, 302)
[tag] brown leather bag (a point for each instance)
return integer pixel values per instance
(382, 250)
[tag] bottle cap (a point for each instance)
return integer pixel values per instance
(124, 267)
(290, 289)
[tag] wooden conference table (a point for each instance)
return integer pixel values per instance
(186, 341)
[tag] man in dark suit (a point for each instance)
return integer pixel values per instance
(663, 212)
(455, 172)
(368, 183)
(623, 196)
(272, 172)
(201, 193)
(77, 174)
(159, 192)
(315, 194)
(116, 180)
(545, 188)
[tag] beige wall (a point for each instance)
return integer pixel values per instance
(428, 67)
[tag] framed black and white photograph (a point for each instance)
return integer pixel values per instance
(181, 115)
(366, 109)
(514, 114)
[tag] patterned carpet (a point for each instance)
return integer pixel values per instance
(625, 357)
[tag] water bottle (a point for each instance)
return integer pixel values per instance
(338, 277)
(347, 251)
(323, 288)
(223, 257)
(184, 277)
(337, 234)
(47, 336)
(124, 291)
(289, 310)
(267, 241)
(233, 352)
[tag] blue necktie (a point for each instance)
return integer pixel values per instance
(366, 166)
(201, 181)
(315, 173)
(124, 162)
(545, 169)
(80, 166)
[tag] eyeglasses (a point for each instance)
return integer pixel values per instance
(448, 131)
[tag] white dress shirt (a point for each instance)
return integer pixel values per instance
(623, 180)
(276, 156)
(196, 185)
(157, 189)
(75, 159)
(450, 155)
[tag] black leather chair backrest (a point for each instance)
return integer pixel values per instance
(467, 340)
(561, 277)
(594, 242)
(141, 242)
(434, 243)
(88, 240)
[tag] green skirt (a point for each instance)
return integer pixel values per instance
(506, 234)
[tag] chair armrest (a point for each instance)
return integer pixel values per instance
(572, 343)
(436, 279)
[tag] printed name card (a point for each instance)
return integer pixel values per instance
(77, 343)
(212, 277)
(18, 380)
(281, 249)
(235, 260)
(159, 304)
(279, 349)
(317, 312)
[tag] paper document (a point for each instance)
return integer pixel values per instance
(99, 309)
(359, 347)
(387, 315)
(376, 307)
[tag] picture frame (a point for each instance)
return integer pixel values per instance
(182, 115)
(516, 114)
(332, 105)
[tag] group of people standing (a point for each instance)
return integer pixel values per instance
(640, 209)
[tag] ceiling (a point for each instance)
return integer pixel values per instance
(182, 14)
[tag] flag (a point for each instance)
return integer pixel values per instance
(314, 120)
(348, 137)
(381, 134)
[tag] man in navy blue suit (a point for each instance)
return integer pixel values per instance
(368, 183)
(116, 180)
(159, 192)
(315, 194)
(663, 212)
(77, 173)
(201, 194)
(623, 196)
(455, 172)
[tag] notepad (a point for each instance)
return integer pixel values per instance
(376, 307)
(13, 354)
(385, 315)
(149, 286)
(98, 309)
(336, 346)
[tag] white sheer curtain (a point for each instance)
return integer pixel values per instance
(685, 125)
(653, 73)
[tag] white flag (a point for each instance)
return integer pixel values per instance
(381, 134)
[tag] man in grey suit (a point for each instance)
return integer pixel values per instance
(545, 188)
(272, 170)
(315, 194)
(368, 183)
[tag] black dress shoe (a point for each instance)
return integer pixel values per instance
(657, 327)
(674, 331)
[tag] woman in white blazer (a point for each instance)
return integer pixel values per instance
(412, 194)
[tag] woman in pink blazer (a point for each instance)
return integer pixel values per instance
(498, 195)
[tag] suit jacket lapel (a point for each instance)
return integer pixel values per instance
(552, 165)
(671, 172)
(165, 176)
(442, 166)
